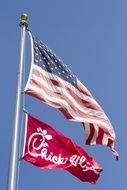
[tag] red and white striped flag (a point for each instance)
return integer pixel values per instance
(52, 82)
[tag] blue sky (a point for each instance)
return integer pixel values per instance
(90, 36)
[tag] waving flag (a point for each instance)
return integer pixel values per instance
(52, 82)
(47, 148)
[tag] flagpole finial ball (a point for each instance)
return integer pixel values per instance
(24, 17)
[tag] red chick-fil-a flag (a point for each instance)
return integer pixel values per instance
(47, 148)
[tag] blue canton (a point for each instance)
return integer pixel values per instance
(48, 61)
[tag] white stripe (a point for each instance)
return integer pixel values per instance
(105, 139)
(32, 60)
(87, 129)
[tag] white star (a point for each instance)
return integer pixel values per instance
(52, 55)
(36, 60)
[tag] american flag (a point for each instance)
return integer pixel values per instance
(52, 82)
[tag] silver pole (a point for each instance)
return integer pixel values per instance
(13, 162)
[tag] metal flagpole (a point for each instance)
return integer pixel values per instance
(12, 174)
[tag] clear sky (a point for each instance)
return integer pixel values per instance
(90, 36)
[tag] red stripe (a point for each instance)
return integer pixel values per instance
(110, 142)
(99, 138)
(89, 139)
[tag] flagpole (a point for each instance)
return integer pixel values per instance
(13, 161)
